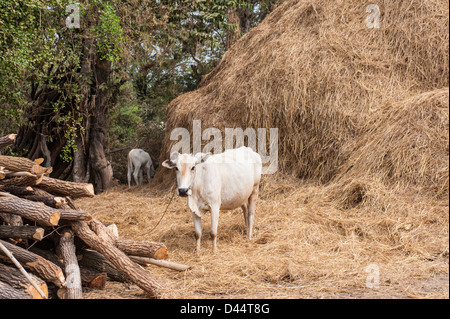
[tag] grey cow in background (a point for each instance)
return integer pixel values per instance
(138, 162)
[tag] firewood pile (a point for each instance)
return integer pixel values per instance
(50, 248)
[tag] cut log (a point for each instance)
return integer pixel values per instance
(73, 279)
(143, 248)
(8, 292)
(21, 179)
(92, 259)
(38, 265)
(7, 140)
(2, 172)
(18, 190)
(92, 279)
(112, 229)
(52, 201)
(37, 212)
(35, 194)
(65, 188)
(21, 232)
(22, 164)
(75, 215)
(144, 261)
(13, 277)
(119, 259)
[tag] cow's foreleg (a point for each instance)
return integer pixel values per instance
(198, 229)
(214, 225)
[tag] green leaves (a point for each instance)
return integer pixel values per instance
(109, 34)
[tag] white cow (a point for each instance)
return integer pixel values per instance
(218, 182)
(139, 160)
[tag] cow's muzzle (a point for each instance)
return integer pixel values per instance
(183, 192)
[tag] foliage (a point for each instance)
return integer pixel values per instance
(158, 49)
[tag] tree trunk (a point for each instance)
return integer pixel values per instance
(98, 130)
(245, 18)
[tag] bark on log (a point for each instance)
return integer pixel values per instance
(22, 164)
(37, 212)
(11, 219)
(73, 278)
(38, 265)
(65, 188)
(137, 274)
(13, 277)
(7, 140)
(21, 232)
(144, 261)
(8, 292)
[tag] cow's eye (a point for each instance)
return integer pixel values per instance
(193, 167)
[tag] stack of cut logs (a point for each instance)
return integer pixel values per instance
(51, 248)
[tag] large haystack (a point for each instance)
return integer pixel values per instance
(314, 70)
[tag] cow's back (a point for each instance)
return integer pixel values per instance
(236, 172)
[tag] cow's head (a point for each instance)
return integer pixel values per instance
(185, 166)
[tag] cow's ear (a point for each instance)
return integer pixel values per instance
(201, 157)
(174, 156)
(168, 164)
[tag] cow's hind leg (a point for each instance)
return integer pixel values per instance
(136, 175)
(141, 176)
(251, 210)
(245, 212)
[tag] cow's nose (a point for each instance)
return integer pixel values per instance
(183, 192)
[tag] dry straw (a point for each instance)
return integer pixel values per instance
(363, 148)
